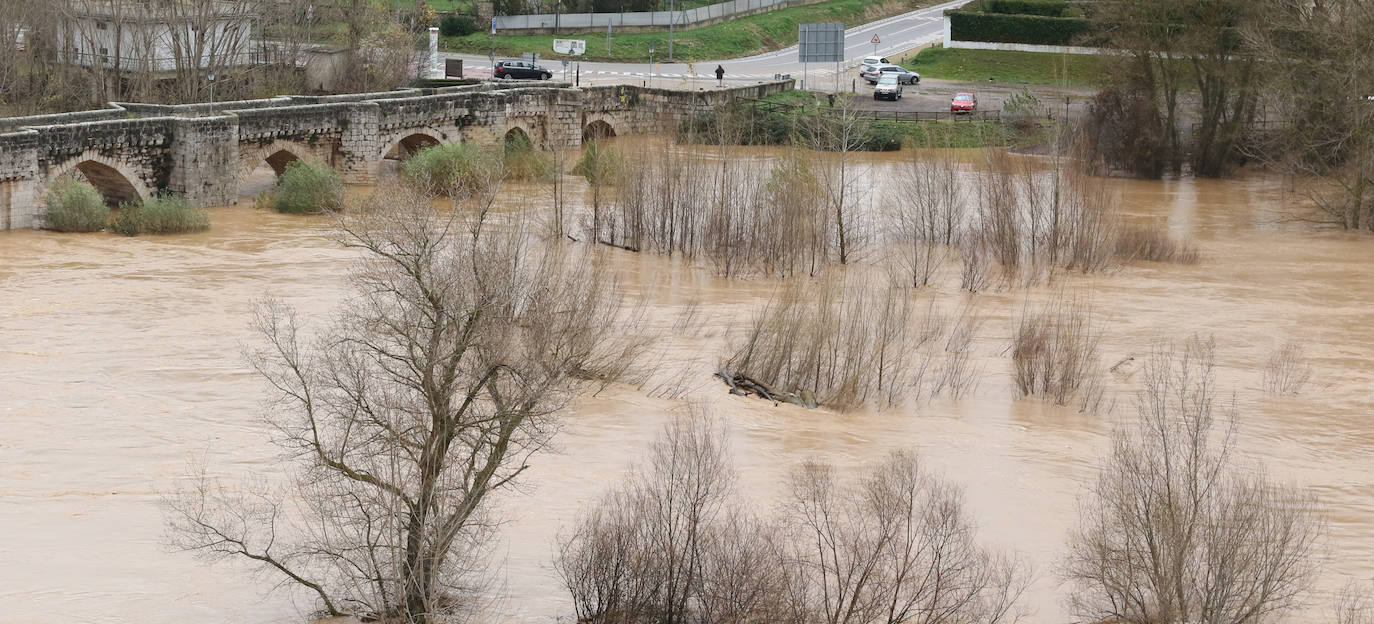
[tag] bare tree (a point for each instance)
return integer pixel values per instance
(897, 547)
(1355, 605)
(1169, 44)
(927, 215)
(1286, 370)
(1323, 133)
(426, 397)
(668, 546)
(837, 344)
(835, 135)
(1054, 353)
(1174, 531)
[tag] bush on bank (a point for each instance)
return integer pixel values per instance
(164, 214)
(73, 205)
(307, 188)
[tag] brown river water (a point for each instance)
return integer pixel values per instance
(120, 364)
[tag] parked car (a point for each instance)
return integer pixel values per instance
(904, 75)
(963, 103)
(521, 69)
(889, 87)
(870, 62)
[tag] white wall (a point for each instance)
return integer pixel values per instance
(138, 44)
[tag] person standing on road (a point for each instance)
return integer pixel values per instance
(720, 76)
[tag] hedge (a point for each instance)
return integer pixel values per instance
(1030, 29)
(1044, 8)
(457, 26)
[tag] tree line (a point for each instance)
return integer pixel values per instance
(1207, 85)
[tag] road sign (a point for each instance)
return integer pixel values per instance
(820, 43)
(565, 64)
(876, 40)
(574, 47)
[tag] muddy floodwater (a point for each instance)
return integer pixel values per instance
(121, 366)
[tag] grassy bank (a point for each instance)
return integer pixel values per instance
(740, 37)
(1013, 67)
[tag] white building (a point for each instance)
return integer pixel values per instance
(159, 35)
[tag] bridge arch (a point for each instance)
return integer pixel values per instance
(409, 143)
(516, 138)
(597, 129)
(117, 181)
(277, 155)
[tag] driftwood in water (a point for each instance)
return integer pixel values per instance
(619, 246)
(745, 385)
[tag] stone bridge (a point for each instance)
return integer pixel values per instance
(203, 151)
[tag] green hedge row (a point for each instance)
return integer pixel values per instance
(1045, 8)
(1031, 29)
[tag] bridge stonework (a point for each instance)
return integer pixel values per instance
(203, 151)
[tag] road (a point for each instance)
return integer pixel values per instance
(897, 34)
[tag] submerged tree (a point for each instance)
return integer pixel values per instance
(426, 396)
(1324, 135)
(1174, 531)
(1170, 46)
(671, 545)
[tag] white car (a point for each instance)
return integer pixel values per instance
(869, 63)
(889, 87)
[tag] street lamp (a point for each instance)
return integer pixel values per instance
(212, 85)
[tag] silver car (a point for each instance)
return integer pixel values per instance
(904, 75)
(889, 87)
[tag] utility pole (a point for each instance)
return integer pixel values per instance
(672, 19)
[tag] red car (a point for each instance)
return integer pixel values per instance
(964, 103)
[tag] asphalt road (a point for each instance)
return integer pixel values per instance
(897, 34)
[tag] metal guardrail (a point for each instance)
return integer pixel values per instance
(879, 115)
(982, 115)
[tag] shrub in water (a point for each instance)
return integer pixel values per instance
(308, 188)
(524, 162)
(599, 165)
(164, 214)
(456, 169)
(73, 205)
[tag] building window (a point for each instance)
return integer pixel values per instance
(104, 55)
(101, 26)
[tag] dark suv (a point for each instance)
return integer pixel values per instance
(521, 69)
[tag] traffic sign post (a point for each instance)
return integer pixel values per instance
(875, 41)
(819, 43)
